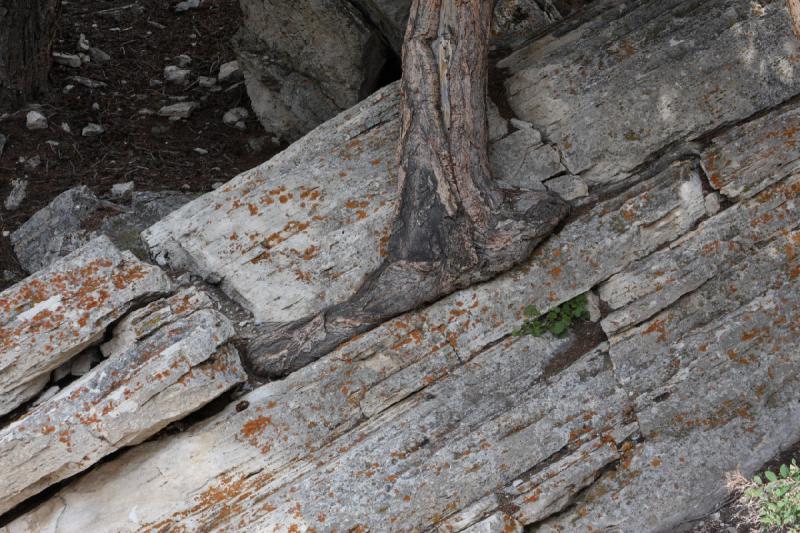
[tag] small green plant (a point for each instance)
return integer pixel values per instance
(770, 502)
(556, 321)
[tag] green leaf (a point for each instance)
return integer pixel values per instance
(758, 481)
(770, 475)
(532, 312)
(784, 471)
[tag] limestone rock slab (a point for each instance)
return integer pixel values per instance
(54, 314)
(176, 363)
(726, 239)
(648, 73)
(299, 232)
(716, 376)
(395, 418)
(594, 246)
(262, 467)
(744, 160)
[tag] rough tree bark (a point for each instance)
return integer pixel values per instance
(454, 226)
(27, 28)
(794, 11)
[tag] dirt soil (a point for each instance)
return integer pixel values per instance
(149, 150)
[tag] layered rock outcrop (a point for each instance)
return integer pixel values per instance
(441, 419)
(53, 315)
(164, 362)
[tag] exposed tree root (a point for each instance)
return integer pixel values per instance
(454, 226)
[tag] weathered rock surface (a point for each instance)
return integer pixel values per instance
(522, 160)
(51, 316)
(56, 230)
(394, 376)
(453, 422)
(300, 232)
(649, 74)
(306, 61)
(439, 419)
(751, 156)
(77, 215)
(165, 361)
(714, 374)
(277, 242)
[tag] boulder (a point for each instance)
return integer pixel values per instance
(56, 230)
(77, 215)
(165, 361)
(53, 315)
(305, 61)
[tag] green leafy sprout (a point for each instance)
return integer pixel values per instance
(556, 321)
(771, 502)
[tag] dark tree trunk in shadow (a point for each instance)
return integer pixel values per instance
(27, 28)
(454, 227)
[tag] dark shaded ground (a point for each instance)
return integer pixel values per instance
(151, 151)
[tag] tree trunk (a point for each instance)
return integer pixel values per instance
(794, 12)
(454, 226)
(27, 28)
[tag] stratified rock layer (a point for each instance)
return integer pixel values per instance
(300, 232)
(51, 316)
(647, 74)
(440, 419)
(164, 362)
